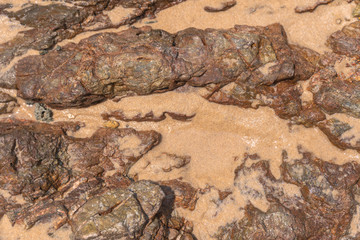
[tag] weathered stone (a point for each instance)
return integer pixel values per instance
(53, 23)
(179, 194)
(3, 204)
(276, 223)
(156, 61)
(37, 159)
(7, 103)
(56, 22)
(335, 129)
(336, 94)
(42, 113)
(147, 117)
(118, 214)
(346, 41)
(322, 211)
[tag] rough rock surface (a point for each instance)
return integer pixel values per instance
(335, 129)
(7, 103)
(346, 41)
(119, 213)
(322, 211)
(83, 182)
(55, 22)
(147, 117)
(36, 159)
(276, 223)
(335, 93)
(143, 61)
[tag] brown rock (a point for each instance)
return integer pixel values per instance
(147, 117)
(323, 211)
(334, 130)
(179, 194)
(36, 158)
(334, 93)
(251, 56)
(56, 22)
(346, 41)
(276, 223)
(7, 103)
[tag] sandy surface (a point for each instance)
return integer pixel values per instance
(218, 136)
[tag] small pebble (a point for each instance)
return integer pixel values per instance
(42, 113)
(338, 21)
(111, 124)
(43, 52)
(150, 22)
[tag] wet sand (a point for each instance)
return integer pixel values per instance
(218, 136)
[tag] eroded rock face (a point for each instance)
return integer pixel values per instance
(7, 103)
(346, 41)
(118, 214)
(336, 94)
(143, 61)
(179, 193)
(55, 22)
(322, 211)
(37, 159)
(336, 131)
(276, 223)
(83, 182)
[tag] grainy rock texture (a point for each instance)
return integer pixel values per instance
(7, 103)
(118, 214)
(336, 94)
(37, 159)
(83, 182)
(346, 41)
(143, 61)
(53, 23)
(322, 211)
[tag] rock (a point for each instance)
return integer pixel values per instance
(346, 41)
(66, 179)
(56, 22)
(335, 129)
(37, 159)
(149, 116)
(179, 194)
(42, 113)
(53, 23)
(118, 214)
(276, 223)
(284, 97)
(3, 204)
(167, 162)
(111, 124)
(157, 61)
(109, 149)
(149, 195)
(356, 12)
(7, 103)
(327, 187)
(8, 79)
(323, 210)
(334, 93)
